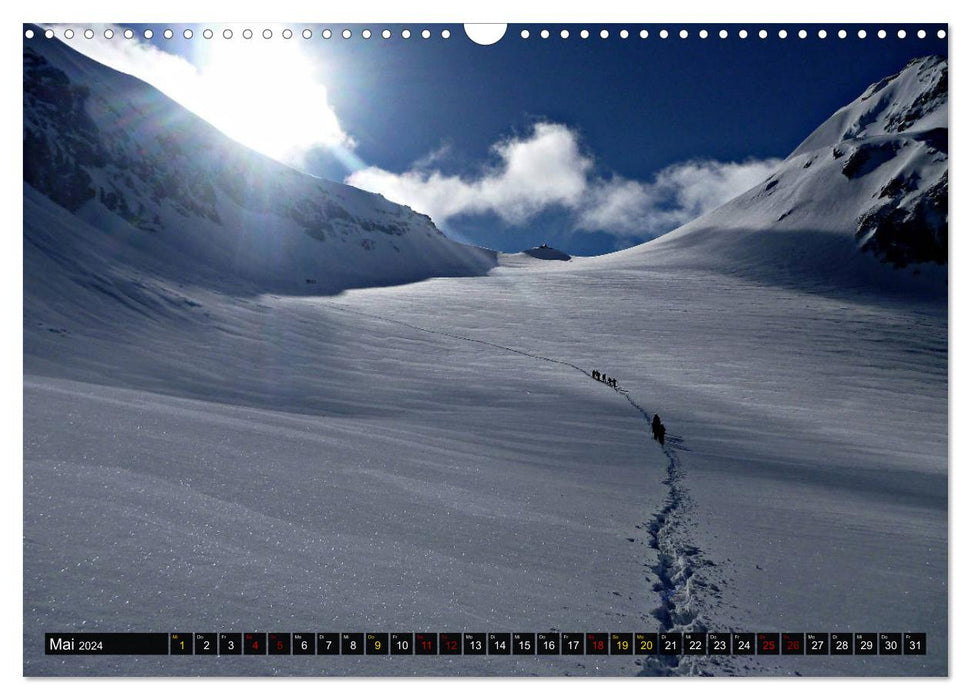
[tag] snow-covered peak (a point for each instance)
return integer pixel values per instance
(913, 100)
(861, 203)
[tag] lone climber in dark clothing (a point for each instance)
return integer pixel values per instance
(657, 429)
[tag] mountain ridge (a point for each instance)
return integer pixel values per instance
(125, 158)
(862, 201)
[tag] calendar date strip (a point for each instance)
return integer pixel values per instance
(486, 643)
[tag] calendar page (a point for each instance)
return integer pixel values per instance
(487, 350)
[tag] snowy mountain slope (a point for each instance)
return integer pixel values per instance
(862, 201)
(162, 183)
(911, 101)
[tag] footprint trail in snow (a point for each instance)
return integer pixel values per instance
(680, 568)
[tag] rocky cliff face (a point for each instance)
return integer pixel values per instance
(897, 130)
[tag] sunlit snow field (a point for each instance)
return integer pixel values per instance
(361, 462)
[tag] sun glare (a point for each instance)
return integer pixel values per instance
(266, 91)
(266, 95)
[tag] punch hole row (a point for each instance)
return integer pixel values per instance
(725, 34)
(524, 34)
(246, 34)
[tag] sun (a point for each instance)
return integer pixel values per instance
(266, 94)
(268, 91)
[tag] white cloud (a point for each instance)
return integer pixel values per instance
(547, 168)
(676, 195)
(265, 94)
(432, 157)
(544, 169)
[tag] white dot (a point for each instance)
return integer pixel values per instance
(783, 33)
(941, 34)
(604, 34)
(882, 34)
(624, 33)
(326, 34)
(821, 34)
(187, 34)
(742, 34)
(207, 33)
(386, 34)
(565, 34)
(803, 33)
(425, 34)
(524, 34)
(267, 34)
(446, 34)
(683, 34)
(68, 33)
(148, 34)
(841, 33)
(902, 34)
(861, 33)
(921, 33)
(306, 33)
(29, 34)
(644, 34)
(227, 34)
(366, 34)
(406, 34)
(663, 34)
(584, 34)
(88, 34)
(168, 34)
(703, 33)
(346, 33)
(288, 33)
(545, 34)
(723, 34)
(49, 34)
(763, 34)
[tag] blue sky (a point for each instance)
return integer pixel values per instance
(587, 144)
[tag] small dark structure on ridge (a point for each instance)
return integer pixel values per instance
(546, 252)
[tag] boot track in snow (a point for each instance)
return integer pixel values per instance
(679, 564)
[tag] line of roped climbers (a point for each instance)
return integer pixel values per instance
(657, 427)
(601, 377)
